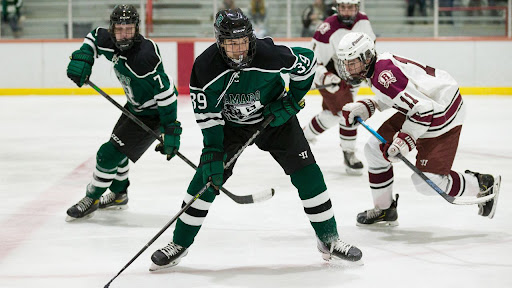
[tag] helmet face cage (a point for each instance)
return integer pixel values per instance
(347, 20)
(124, 14)
(355, 46)
(232, 24)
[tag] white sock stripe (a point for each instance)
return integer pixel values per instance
(104, 175)
(198, 204)
(121, 177)
(381, 185)
(191, 220)
(100, 184)
(317, 200)
(321, 217)
(123, 169)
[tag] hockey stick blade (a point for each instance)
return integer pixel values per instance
(252, 198)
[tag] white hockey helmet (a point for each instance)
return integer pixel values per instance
(355, 45)
(355, 2)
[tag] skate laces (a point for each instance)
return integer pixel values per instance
(340, 246)
(171, 249)
(351, 158)
(105, 199)
(373, 213)
(85, 203)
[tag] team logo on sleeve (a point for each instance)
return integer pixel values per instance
(386, 77)
(324, 27)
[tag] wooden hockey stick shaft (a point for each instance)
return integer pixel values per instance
(415, 169)
(245, 199)
(182, 210)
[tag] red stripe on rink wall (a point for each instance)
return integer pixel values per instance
(185, 62)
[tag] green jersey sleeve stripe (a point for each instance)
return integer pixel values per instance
(208, 120)
(165, 94)
(89, 40)
(166, 101)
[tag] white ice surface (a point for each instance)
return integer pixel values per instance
(47, 154)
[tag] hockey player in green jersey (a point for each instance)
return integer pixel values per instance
(234, 85)
(151, 98)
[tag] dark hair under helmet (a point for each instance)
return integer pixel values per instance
(124, 14)
(233, 24)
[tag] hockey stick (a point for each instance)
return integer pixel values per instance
(182, 210)
(322, 87)
(450, 199)
(245, 199)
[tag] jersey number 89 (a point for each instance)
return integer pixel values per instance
(198, 100)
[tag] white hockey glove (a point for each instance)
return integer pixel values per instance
(402, 144)
(362, 108)
(324, 77)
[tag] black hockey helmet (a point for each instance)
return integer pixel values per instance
(233, 24)
(124, 14)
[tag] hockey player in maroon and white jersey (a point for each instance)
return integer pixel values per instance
(325, 43)
(429, 118)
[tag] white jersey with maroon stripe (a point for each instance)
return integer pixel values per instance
(429, 97)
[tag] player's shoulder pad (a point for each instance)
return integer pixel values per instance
(103, 38)
(360, 16)
(144, 57)
(327, 28)
(207, 66)
(270, 56)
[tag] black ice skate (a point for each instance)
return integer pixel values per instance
(84, 209)
(488, 185)
(112, 200)
(353, 166)
(378, 217)
(339, 250)
(168, 256)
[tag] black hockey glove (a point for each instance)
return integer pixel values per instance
(80, 67)
(171, 136)
(212, 164)
(283, 109)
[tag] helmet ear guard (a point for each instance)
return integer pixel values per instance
(356, 45)
(233, 24)
(124, 14)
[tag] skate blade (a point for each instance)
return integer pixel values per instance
(73, 219)
(353, 172)
(496, 189)
(382, 224)
(342, 262)
(157, 268)
(115, 207)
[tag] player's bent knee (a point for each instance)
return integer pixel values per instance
(422, 187)
(108, 156)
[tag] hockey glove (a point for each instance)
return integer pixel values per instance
(324, 77)
(402, 144)
(212, 163)
(362, 108)
(283, 109)
(80, 67)
(171, 136)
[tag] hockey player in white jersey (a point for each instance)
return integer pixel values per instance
(429, 118)
(325, 42)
